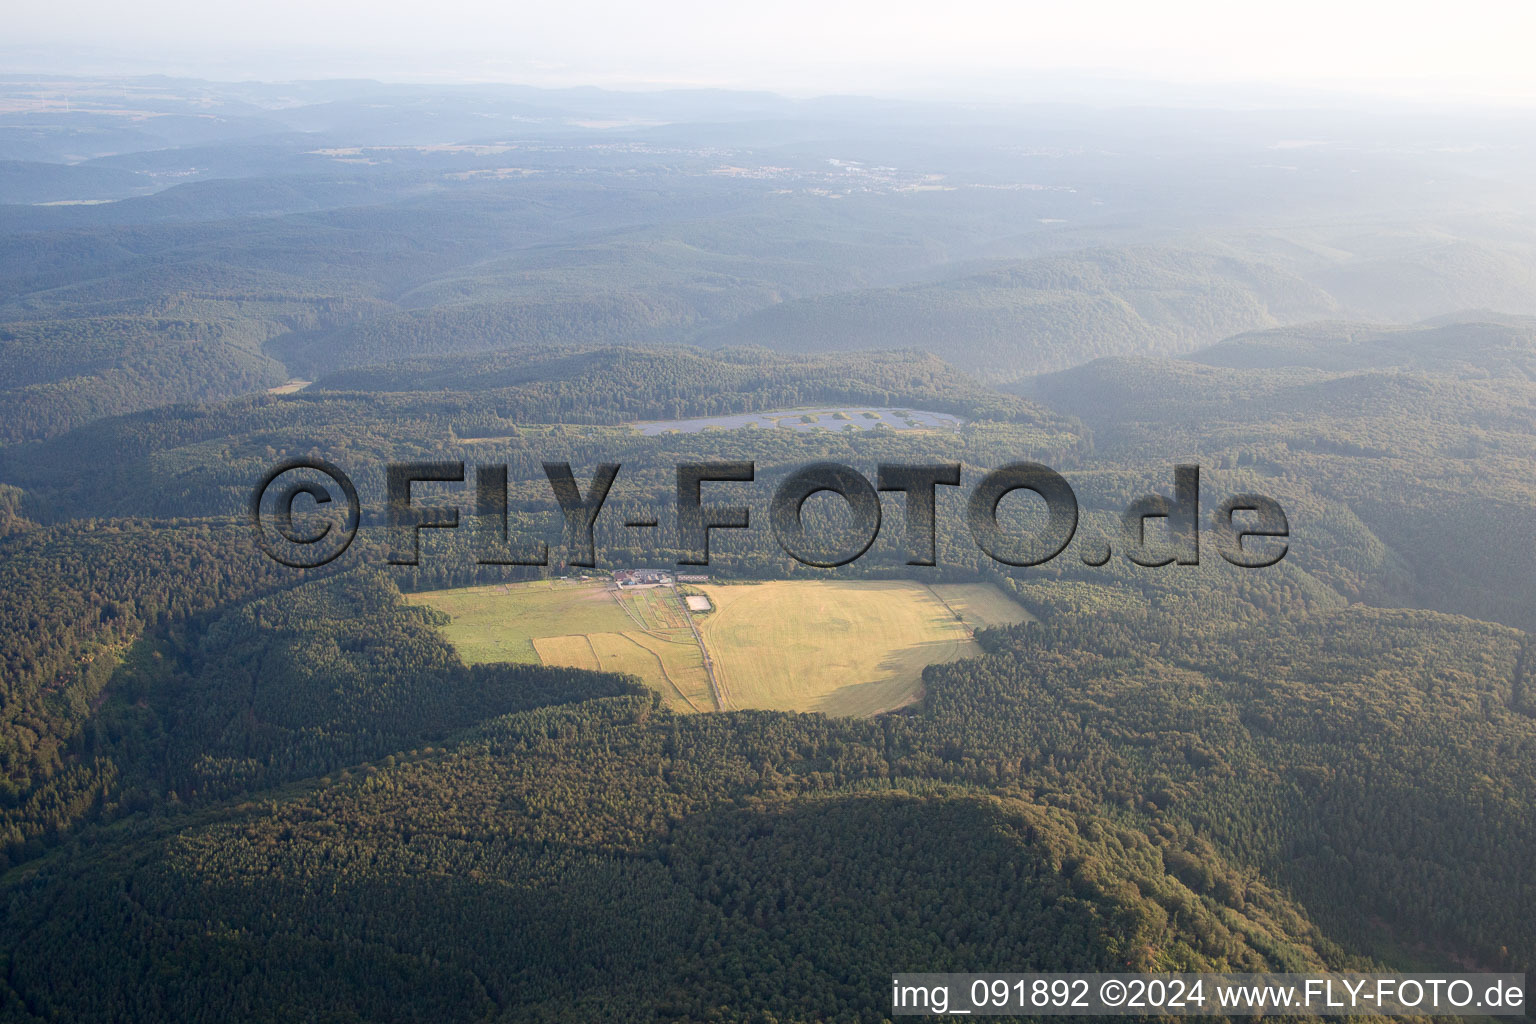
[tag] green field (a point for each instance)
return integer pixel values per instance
(500, 622)
(843, 648)
(642, 632)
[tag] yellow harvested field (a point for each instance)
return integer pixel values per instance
(981, 605)
(843, 648)
(616, 652)
(682, 664)
(568, 651)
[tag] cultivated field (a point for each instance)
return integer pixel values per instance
(843, 648)
(669, 663)
(981, 605)
(643, 632)
(499, 623)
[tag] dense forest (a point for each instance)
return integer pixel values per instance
(994, 821)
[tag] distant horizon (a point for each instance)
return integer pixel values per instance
(1089, 87)
(1201, 51)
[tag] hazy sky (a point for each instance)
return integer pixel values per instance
(1412, 47)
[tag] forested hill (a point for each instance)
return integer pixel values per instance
(522, 407)
(1464, 345)
(1049, 313)
(1422, 433)
(615, 384)
(59, 374)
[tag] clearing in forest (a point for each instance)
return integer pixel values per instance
(842, 648)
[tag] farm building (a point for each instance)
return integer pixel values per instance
(641, 577)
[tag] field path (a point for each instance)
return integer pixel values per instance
(715, 688)
(709, 663)
(664, 673)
